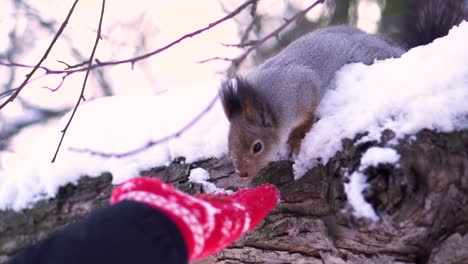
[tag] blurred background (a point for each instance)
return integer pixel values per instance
(133, 28)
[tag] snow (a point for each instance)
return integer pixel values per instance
(357, 180)
(425, 88)
(375, 155)
(201, 176)
(117, 125)
(357, 184)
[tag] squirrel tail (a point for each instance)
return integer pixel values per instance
(426, 20)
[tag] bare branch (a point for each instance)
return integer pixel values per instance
(21, 65)
(245, 34)
(73, 66)
(50, 26)
(150, 143)
(133, 60)
(275, 33)
(215, 59)
(244, 44)
(250, 27)
(58, 85)
(254, 44)
(71, 69)
(81, 97)
(28, 76)
(46, 72)
(7, 92)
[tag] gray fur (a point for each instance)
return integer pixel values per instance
(294, 81)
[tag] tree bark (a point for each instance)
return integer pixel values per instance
(422, 203)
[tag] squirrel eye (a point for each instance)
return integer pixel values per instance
(257, 147)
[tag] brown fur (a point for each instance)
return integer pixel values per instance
(299, 132)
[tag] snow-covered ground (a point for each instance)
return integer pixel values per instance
(426, 88)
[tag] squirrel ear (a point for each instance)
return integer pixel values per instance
(254, 107)
(230, 99)
(250, 112)
(238, 97)
(258, 114)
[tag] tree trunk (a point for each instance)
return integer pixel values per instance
(422, 203)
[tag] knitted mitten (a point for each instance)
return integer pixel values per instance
(208, 222)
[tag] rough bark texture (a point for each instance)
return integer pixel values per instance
(422, 202)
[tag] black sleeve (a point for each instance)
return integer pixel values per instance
(127, 232)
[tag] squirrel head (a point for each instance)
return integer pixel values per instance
(253, 137)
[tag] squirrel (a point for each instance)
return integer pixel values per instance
(272, 108)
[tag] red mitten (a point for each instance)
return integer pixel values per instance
(208, 222)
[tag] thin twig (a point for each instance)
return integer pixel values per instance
(72, 66)
(244, 44)
(50, 26)
(275, 33)
(150, 143)
(81, 97)
(7, 92)
(254, 44)
(215, 58)
(44, 57)
(250, 27)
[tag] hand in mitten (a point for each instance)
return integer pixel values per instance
(208, 222)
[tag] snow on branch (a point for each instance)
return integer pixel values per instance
(151, 143)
